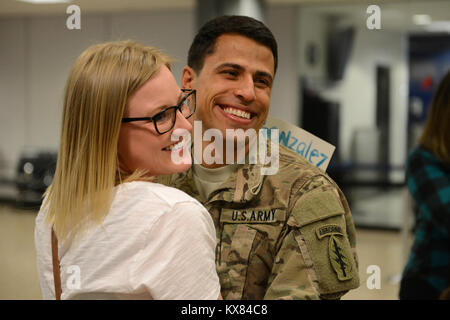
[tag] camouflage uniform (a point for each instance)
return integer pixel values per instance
(284, 236)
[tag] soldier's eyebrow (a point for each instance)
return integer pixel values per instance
(230, 65)
(241, 68)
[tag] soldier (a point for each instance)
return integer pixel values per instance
(283, 236)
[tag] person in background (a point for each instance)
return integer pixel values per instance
(289, 235)
(106, 230)
(427, 272)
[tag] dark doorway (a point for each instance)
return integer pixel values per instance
(383, 118)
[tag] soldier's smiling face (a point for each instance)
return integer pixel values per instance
(234, 84)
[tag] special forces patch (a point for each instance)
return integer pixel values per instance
(339, 260)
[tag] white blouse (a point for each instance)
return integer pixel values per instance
(155, 243)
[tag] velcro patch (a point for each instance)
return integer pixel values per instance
(315, 206)
(328, 230)
(257, 215)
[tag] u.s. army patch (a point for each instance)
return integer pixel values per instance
(257, 215)
(339, 260)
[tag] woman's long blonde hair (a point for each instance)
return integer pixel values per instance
(436, 134)
(97, 90)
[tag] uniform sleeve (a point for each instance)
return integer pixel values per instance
(177, 261)
(317, 257)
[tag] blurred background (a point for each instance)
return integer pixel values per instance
(357, 77)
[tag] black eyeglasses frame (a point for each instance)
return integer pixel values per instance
(177, 107)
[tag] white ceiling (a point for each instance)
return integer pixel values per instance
(395, 14)
(15, 7)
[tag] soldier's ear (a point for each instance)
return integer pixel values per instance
(188, 77)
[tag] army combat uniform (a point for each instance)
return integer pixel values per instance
(283, 236)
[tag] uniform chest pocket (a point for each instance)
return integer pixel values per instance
(236, 245)
(246, 236)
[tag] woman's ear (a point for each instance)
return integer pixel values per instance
(188, 77)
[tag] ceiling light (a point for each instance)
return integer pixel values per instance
(422, 19)
(44, 1)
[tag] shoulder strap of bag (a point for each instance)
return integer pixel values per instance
(56, 274)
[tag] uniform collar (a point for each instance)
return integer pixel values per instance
(185, 182)
(241, 187)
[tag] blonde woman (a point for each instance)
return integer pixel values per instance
(117, 234)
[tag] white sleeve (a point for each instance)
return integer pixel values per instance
(178, 260)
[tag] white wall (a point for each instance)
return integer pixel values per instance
(51, 50)
(35, 58)
(285, 92)
(311, 30)
(356, 93)
(36, 54)
(171, 31)
(13, 101)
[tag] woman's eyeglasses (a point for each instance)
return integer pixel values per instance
(164, 121)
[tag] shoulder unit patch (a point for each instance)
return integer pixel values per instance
(339, 261)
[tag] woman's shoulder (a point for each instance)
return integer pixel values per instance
(420, 151)
(422, 156)
(151, 191)
(155, 203)
(423, 164)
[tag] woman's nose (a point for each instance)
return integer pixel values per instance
(182, 123)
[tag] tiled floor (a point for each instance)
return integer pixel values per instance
(18, 275)
(385, 209)
(386, 250)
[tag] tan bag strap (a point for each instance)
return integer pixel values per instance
(56, 274)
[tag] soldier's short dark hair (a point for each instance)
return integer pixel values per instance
(204, 41)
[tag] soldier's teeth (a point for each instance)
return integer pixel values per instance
(237, 112)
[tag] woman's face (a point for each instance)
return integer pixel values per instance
(140, 146)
